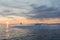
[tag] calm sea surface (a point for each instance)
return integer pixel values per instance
(30, 32)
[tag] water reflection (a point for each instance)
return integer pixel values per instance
(31, 32)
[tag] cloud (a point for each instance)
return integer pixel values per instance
(36, 9)
(44, 12)
(15, 4)
(56, 3)
(12, 11)
(12, 17)
(24, 4)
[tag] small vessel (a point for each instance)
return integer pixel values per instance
(37, 24)
(21, 23)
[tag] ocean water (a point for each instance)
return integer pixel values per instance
(49, 27)
(30, 32)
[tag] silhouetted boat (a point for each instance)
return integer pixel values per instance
(21, 23)
(37, 24)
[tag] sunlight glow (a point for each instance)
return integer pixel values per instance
(7, 31)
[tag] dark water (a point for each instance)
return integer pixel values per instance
(40, 32)
(36, 32)
(49, 27)
(41, 35)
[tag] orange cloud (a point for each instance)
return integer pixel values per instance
(24, 20)
(50, 20)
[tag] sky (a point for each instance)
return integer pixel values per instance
(37, 10)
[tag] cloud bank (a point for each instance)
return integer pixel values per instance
(36, 9)
(45, 12)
